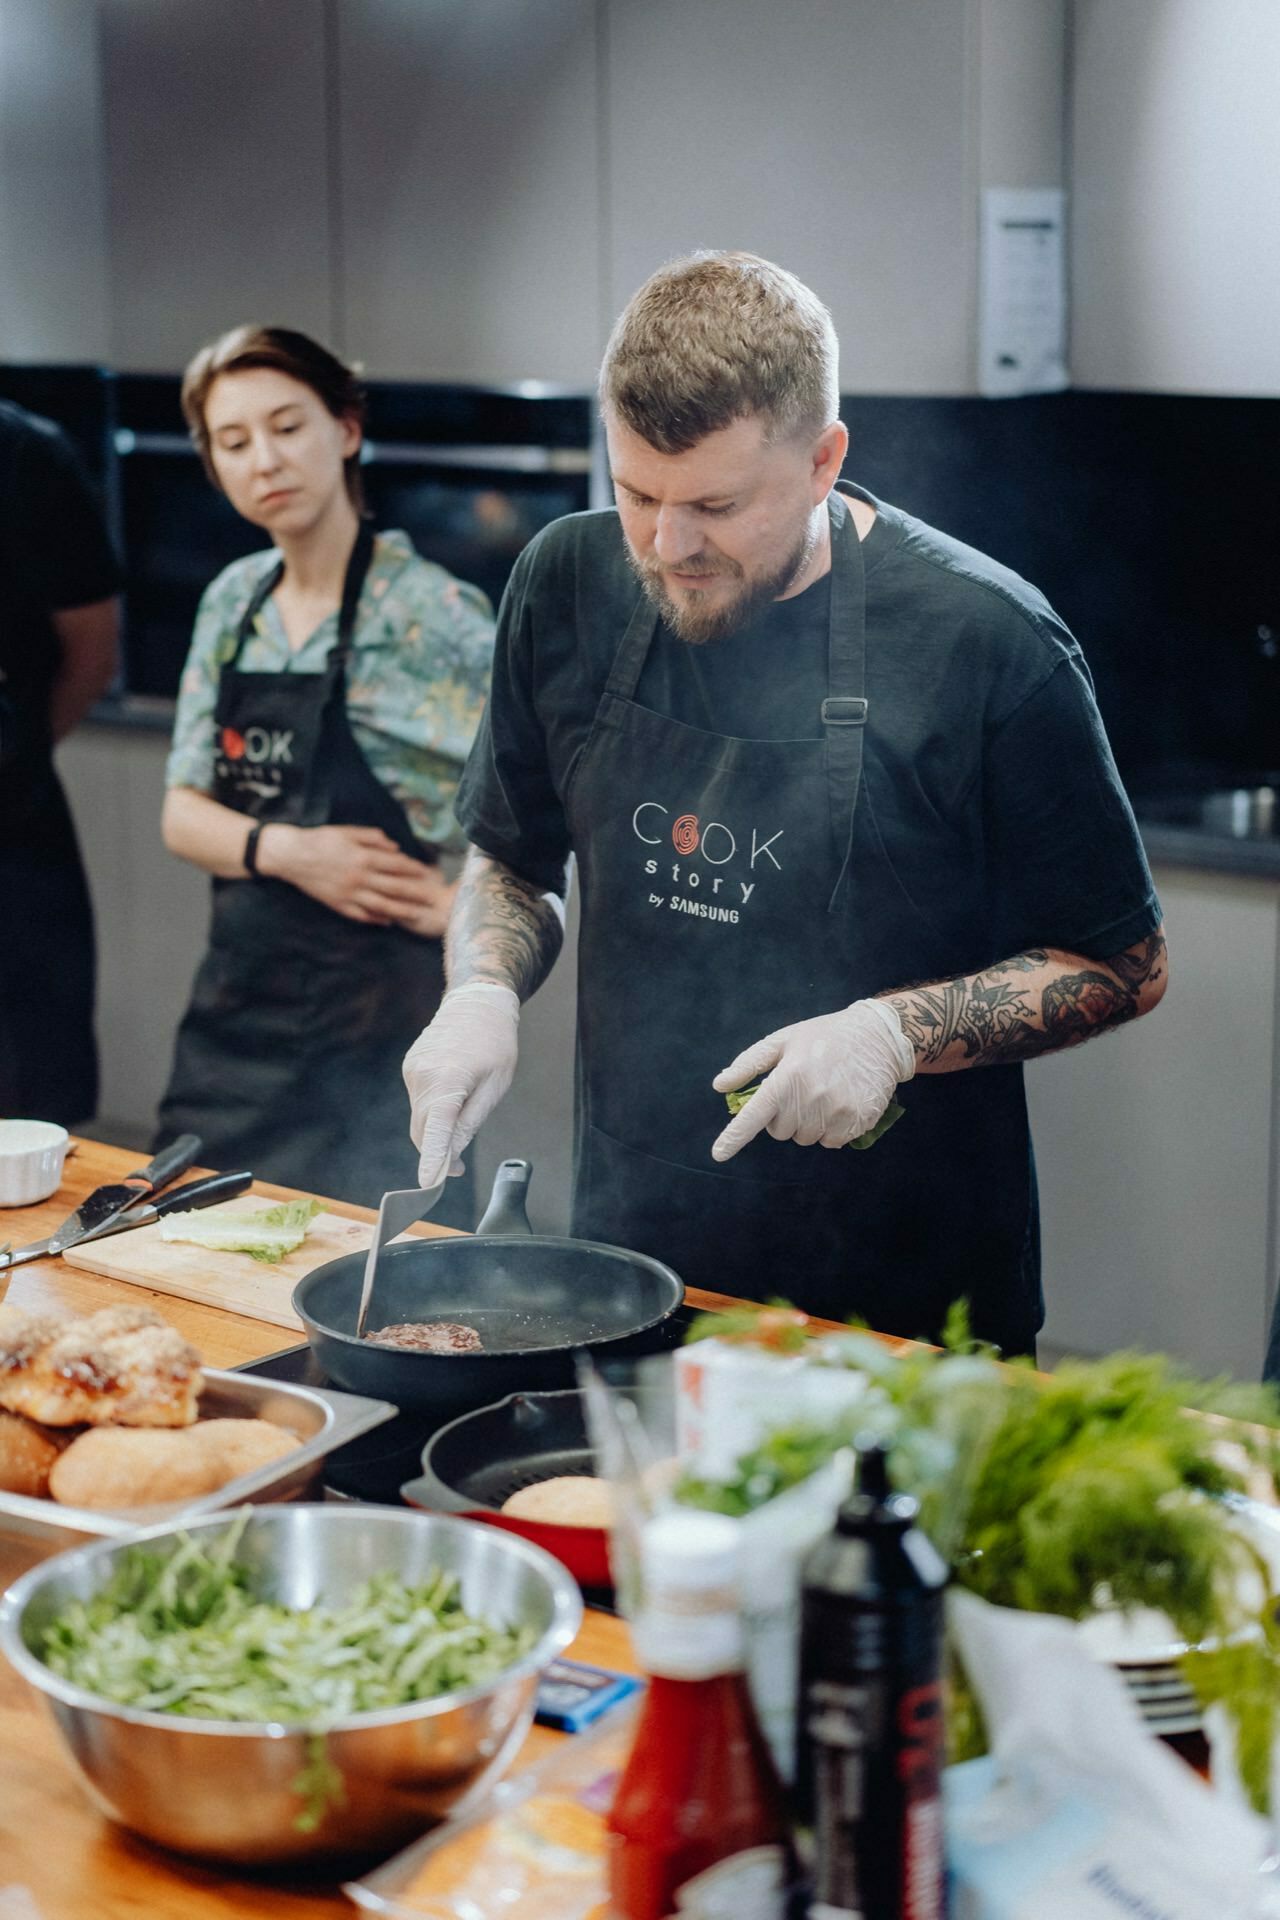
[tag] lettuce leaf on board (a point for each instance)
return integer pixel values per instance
(266, 1234)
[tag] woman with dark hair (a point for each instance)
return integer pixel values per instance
(327, 705)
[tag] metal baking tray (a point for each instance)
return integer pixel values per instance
(322, 1418)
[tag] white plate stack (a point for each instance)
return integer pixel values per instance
(1144, 1648)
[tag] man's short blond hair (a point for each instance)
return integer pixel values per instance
(720, 337)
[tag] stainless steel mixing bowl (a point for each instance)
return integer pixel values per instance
(226, 1789)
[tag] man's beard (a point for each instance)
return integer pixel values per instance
(693, 620)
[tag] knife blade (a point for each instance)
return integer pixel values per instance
(200, 1193)
(104, 1203)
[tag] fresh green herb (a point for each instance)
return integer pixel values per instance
(1087, 1488)
(738, 1099)
(181, 1632)
(267, 1234)
(783, 1459)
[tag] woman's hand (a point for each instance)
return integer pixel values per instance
(360, 873)
(430, 916)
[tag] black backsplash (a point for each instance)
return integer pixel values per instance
(1150, 521)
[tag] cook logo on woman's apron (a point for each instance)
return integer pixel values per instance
(253, 761)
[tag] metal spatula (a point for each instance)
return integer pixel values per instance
(398, 1210)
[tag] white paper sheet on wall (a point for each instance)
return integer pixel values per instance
(1022, 322)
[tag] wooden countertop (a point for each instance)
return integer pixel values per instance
(76, 1864)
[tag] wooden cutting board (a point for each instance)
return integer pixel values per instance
(230, 1280)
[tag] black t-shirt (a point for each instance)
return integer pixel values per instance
(54, 553)
(756, 684)
(987, 773)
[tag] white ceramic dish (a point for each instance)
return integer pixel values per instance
(31, 1157)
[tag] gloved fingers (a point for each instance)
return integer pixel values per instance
(435, 1166)
(750, 1064)
(433, 1127)
(454, 1167)
(759, 1113)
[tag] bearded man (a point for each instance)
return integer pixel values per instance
(846, 823)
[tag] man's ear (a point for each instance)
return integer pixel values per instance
(829, 450)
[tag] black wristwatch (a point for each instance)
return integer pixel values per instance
(251, 849)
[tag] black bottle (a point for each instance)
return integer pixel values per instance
(870, 1730)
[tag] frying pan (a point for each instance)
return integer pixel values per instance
(475, 1463)
(534, 1299)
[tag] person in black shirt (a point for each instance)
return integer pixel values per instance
(846, 822)
(59, 623)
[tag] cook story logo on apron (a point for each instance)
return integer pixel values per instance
(716, 870)
(254, 759)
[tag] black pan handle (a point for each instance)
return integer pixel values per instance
(430, 1492)
(506, 1212)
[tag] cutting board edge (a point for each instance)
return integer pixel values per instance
(190, 1290)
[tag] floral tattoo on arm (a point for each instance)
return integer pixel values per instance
(502, 928)
(1036, 1002)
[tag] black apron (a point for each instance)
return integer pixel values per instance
(288, 1060)
(730, 887)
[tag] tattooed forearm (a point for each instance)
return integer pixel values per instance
(1034, 1003)
(502, 928)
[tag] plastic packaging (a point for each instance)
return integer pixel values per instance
(536, 1848)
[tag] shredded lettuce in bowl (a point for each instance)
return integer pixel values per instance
(179, 1632)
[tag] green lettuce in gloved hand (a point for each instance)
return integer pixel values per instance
(739, 1097)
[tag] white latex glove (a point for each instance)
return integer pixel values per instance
(829, 1079)
(457, 1070)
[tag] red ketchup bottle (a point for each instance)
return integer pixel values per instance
(698, 1827)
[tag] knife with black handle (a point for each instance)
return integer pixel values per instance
(201, 1193)
(108, 1204)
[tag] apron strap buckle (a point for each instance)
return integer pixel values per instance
(844, 711)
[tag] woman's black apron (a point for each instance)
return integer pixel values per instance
(730, 887)
(288, 1060)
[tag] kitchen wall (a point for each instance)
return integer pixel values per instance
(53, 247)
(1175, 179)
(470, 191)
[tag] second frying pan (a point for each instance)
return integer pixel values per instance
(479, 1460)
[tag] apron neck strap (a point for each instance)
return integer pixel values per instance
(844, 711)
(257, 600)
(352, 587)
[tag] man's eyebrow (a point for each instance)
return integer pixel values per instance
(703, 499)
